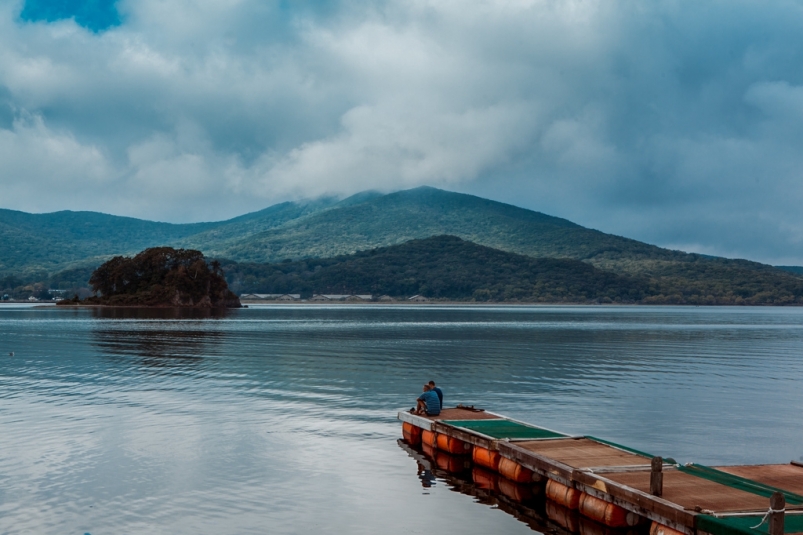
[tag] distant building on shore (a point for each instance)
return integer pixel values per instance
(418, 299)
(341, 297)
(271, 297)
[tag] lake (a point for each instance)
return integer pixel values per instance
(283, 419)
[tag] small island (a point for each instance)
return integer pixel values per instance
(159, 277)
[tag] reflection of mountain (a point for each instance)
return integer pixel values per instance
(158, 344)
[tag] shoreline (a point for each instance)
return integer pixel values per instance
(435, 304)
(500, 303)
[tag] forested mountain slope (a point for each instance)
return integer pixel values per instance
(447, 267)
(34, 246)
(440, 267)
(46, 242)
(424, 212)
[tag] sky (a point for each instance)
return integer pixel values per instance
(675, 122)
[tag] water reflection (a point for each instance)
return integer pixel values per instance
(157, 338)
(133, 313)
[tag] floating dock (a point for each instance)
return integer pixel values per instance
(584, 477)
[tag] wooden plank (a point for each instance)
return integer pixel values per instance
(464, 414)
(691, 492)
(783, 476)
(583, 453)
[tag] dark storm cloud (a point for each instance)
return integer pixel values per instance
(675, 122)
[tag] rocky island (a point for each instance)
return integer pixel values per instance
(160, 277)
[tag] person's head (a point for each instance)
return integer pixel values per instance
(426, 388)
(432, 384)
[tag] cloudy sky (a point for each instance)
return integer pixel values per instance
(675, 122)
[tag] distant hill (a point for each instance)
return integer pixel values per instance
(443, 267)
(423, 212)
(38, 244)
(35, 246)
(450, 268)
(797, 270)
(42, 243)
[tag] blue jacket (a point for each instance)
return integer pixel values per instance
(433, 403)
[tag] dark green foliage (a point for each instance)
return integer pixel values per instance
(32, 243)
(440, 267)
(71, 278)
(797, 270)
(162, 276)
(449, 268)
(9, 282)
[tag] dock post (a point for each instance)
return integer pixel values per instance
(777, 508)
(657, 477)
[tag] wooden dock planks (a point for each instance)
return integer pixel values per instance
(464, 414)
(583, 453)
(694, 493)
(788, 477)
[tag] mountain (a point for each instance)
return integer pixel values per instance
(447, 267)
(42, 243)
(48, 242)
(35, 245)
(440, 267)
(797, 270)
(424, 212)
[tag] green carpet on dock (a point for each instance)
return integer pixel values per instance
(504, 429)
(744, 525)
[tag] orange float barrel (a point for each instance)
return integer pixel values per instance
(411, 434)
(563, 495)
(660, 529)
(514, 471)
(452, 445)
(606, 513)
(428, 438)
(485, 457)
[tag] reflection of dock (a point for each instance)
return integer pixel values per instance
(612, 484)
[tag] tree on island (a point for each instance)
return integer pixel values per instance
(161, 277)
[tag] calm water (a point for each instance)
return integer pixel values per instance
(282, 419)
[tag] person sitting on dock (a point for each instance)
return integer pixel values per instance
(428, 403)
(437, 391)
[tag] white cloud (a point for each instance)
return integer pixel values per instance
(673, 122)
